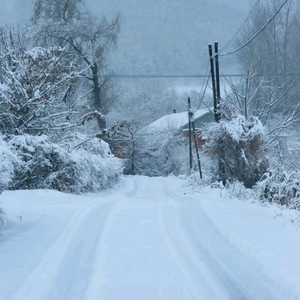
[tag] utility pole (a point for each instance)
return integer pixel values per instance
(190, 134)
(218, 96)
(217, 99)
(191, 117)
(212, 72)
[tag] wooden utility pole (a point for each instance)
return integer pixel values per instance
(212, 73)
(215, 77)
(218, 93)
(190, 134)
(196, 143)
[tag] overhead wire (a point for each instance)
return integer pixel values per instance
(204, 88)
(257, 33)
(204, 92)
(241, 26)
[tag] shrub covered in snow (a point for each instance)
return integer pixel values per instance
(39, 99)
(280, 187)
(147, 152)
(237, 190)
(161, 153)
(48, 165)
(35, 87)
(8, 162)
(238, 145)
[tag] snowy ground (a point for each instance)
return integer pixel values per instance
(147, 239)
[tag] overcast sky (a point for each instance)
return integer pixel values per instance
(241, 4)
(18, 11)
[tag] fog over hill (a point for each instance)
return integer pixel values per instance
(170, 37)
(159, 36)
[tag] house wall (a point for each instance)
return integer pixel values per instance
(199, 125)
(201, 122)
(200, 141)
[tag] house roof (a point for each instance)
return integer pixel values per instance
(175, 120)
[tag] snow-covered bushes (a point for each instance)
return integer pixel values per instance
(280, 187)
(147, 152)
(8, 162)
(238, 145)
(162, 153)
(237, 190)
(35, 87)
(48, 165)
(39, 98)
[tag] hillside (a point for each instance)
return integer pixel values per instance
(157, 36)
(170, 36)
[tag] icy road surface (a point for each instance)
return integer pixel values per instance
(144, 241)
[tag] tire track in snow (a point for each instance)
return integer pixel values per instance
(39, 283)
(75, 269)
(206, 244)
(194, 270)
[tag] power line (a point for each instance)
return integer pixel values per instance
(204, 86)
(153, 76)
(241, 26)
(203, 92)
(170, 76)
(254, 36)
(158, 76)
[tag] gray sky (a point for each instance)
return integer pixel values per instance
(241, 4)
(18, 11)
(136, 43)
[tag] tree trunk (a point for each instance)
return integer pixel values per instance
(97, 90)
(97, 95)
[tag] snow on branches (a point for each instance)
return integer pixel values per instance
(239, 144)
(46, 165)
(280, 187)
(37, 108)
(8, 162)
(34, 86)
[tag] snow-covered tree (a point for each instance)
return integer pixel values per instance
(270, 90)
(165, 152)
(147, 152)
(269, 61)
(281, 187)
(144, 101)
(84, 167)
(264, 100)
(9, 161)
(42, 125)
(69, 25)
(35, 87)
(239, 144)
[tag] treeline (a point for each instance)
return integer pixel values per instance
(260, 110)
(54, 94)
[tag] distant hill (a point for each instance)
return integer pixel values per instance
(15, 11)
(157, 36)
(170, 36)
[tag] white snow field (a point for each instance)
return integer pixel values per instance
(146, 239)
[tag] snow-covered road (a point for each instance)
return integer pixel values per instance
(144, 241)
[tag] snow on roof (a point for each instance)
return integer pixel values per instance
(175, 120)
